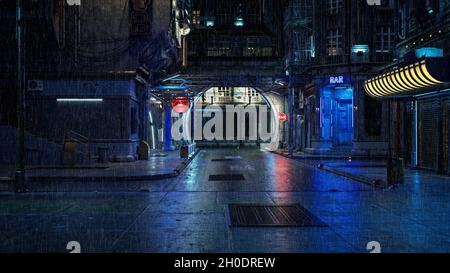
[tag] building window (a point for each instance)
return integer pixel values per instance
(219, 51)
(334, 6)
(385, 40)
(253, 16)
(196, 20)
(224, 15)
(334, 42)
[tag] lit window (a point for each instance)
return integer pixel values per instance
(195, 17)
(334, 42)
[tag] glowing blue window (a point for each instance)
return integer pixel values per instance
(360, 49)
(429, 52)
(209, 23)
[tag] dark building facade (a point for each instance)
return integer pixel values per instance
(82, 84)
(336, 44)
(334, 66)
(236, 45)
(234, 37)
(419, 85)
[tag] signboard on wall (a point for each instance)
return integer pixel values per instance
(336, 80)
(140, 14)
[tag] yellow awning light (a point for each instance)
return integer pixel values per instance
(422, 77)
(370, 89)
(397, 75)
(424, 69)
(392, 84)
(400, 82)
(416, 77)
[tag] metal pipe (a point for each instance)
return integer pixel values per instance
(20, 176)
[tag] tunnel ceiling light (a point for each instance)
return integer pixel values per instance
(172, 87)
(171, 78)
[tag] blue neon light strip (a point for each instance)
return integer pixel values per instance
(432, 93)
(429, 52)
(173, 87)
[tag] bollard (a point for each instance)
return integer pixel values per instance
(143, 150)
(70, 153)
(184, 151)
(395, 172)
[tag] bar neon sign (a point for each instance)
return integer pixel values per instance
(337, 80)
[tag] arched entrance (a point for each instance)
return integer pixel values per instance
(232, 116)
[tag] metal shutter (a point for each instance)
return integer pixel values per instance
(428, 134)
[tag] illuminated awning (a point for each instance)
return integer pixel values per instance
(410, 80)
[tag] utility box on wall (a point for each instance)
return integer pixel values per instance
(360, 53)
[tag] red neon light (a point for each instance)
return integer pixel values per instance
(282, 117)
(180, 104)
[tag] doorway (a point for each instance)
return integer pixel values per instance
(343, 128)
(336, 106)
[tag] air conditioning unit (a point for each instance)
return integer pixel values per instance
(35, 85)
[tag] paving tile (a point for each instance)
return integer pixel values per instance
(188, 213)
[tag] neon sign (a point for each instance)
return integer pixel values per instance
(337, 80)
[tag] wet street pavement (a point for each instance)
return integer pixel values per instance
(189, 213)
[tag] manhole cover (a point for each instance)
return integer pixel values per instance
(221, 159)
(226, 177)
(272, 216)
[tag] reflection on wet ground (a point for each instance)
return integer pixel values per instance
(189, 213)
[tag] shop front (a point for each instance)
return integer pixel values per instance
(333, 114)
(422, 90)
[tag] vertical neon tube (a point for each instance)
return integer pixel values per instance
(167, 127)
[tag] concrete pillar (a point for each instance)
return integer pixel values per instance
(143, 111)
(192, 134)
(291, 120)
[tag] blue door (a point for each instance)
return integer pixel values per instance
(344, 126)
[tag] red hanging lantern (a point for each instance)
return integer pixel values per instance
(180, 104)
(282, 117)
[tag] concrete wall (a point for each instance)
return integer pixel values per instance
(161, 15)
(39, 151)
(112, 123)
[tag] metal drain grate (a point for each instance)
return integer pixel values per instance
(221, 160)
(226, 177)
(272, 216)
